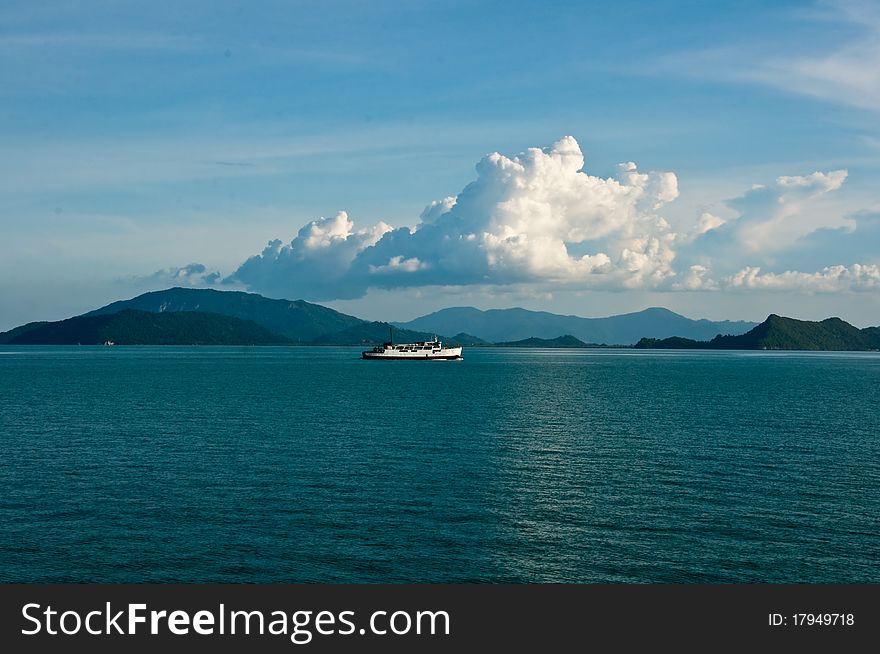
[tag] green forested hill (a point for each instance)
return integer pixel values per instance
(873, 334)
(298, 320)
(12, 334)
(145, 328)
(780, 333)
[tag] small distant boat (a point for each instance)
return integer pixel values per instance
(419, 351)
(109, 343)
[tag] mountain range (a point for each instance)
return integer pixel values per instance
(208, 316)
(504, 325)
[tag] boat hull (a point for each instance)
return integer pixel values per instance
(420, 351)
(373, 356)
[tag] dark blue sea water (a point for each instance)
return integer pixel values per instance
(310, 465)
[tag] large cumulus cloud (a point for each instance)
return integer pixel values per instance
(539, 219)
(536, 217)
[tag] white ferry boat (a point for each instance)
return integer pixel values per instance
(421, 351)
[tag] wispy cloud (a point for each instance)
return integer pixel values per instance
(843, 69)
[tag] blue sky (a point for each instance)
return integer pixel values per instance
(138, 138)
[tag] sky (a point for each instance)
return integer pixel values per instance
(391, 159)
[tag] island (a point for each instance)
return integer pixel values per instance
(780, 333)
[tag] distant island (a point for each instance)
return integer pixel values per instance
(560, 341)
(780, 333)
(187, 316)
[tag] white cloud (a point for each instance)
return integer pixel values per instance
(519, 222)
(539, 220)
(771, 219)
(774, 217)
(315, 263)
(841, 65)
(193, 274)
(696, 278)
(857, 241)
(437, 208)
(707, 222)
(820, 182)
(858, 277)
(849, 73)
(398, 263)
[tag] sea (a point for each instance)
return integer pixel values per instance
(299, 464)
